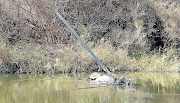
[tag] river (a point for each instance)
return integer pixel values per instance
(66, 88)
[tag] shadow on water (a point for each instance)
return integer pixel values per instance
(66, 88)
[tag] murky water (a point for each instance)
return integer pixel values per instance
(64, 88)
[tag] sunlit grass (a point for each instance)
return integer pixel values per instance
(164, 79)
(78, 57)
(158, 68)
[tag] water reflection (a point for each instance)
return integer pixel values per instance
(66, 88)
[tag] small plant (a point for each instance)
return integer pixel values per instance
(138, 55)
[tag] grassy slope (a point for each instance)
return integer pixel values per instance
(61, 57)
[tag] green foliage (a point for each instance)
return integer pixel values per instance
(138, 55)
(138, 81)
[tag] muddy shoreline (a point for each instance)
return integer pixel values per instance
(16, 68)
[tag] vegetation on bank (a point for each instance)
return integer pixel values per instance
(143, 37)
(75, 58)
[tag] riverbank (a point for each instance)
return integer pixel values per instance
(58, 58)
(133, 35)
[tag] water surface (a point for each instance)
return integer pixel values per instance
(66, 88)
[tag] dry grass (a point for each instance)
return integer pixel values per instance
(168, 10)
(5, 55)
(40, 58)
(114, 59)
(162, 79)
(159, 69)
(36, 25)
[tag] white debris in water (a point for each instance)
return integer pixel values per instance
(94, 75)
(104, 79)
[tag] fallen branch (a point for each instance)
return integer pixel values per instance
(89, 50)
